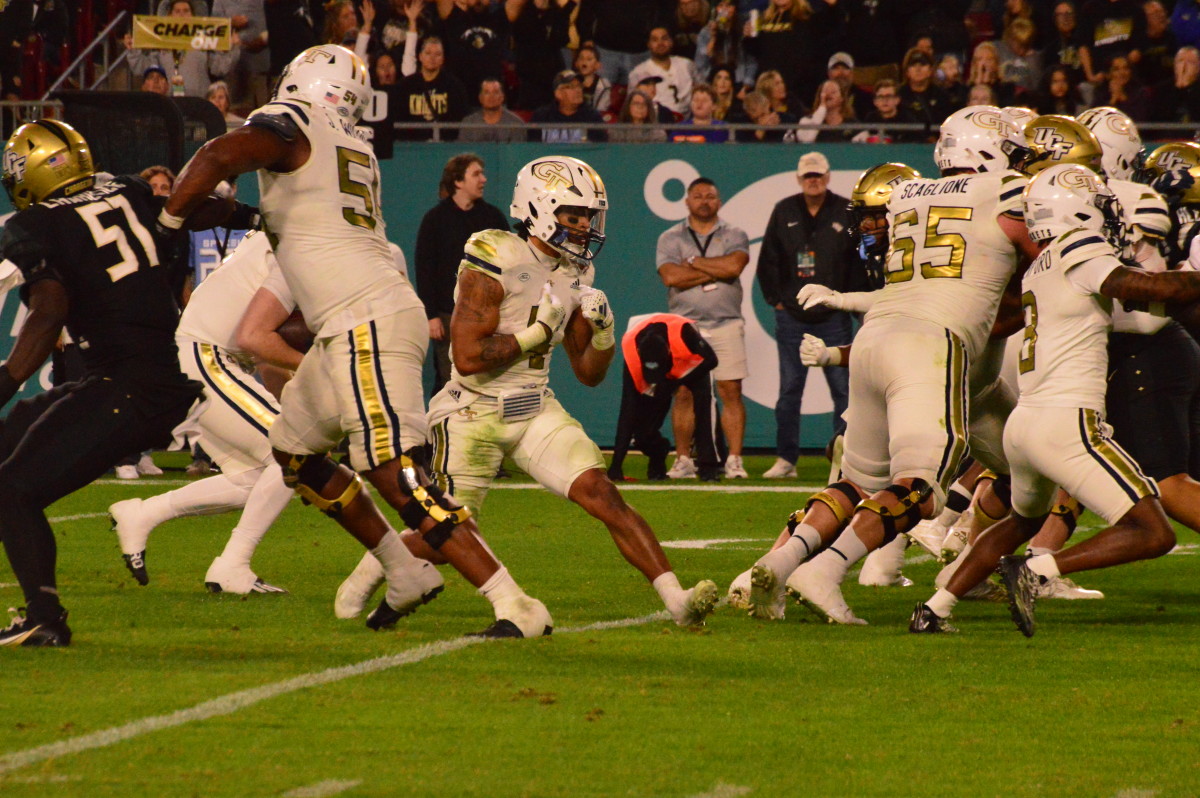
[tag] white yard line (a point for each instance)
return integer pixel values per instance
(723, 790)
(233, 702)
(322, 789)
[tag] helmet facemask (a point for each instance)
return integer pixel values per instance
(578, 241)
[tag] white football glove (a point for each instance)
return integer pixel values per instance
(595, 308)
(815, 295)
(814, 352)
(550, 317)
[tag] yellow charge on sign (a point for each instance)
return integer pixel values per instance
(181, 33)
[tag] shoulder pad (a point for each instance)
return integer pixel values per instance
(490, 251)
(1151, 216)
(1010, 199)
(285, 118)
(1079, 246)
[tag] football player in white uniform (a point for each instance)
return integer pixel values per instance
(955, 243)
(319, 196)
(1057, 435)
(233, 422)
(518, 296)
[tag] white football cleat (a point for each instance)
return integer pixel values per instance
(146, 467)
(767, 599)
(738, 596)
(1060, 587)
(780, 469)
(683, 468)
(227, 577)
(132, 533)
(522, 616)
(355, 592)
(821, 594)
(956, 537)
(699, 602)
(881, 568)
(734, 468)
(126, 472)
(929, 534)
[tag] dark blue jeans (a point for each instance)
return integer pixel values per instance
(789, 333)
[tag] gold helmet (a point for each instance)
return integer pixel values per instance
(1057, 139)
(43, 158)
(874, 188)
(1178, 156)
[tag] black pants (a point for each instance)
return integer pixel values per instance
(55, 443)
(1153, 400)
(642, 416)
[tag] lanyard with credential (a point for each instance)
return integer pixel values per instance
(702, 247)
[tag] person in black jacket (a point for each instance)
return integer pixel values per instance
(443, 233)
(807, 241)
(431, 94)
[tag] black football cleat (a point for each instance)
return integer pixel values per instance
(499, 630)
(385, 615)
(926, 621)
(136, 563)
(49, 634)
(1022, 585)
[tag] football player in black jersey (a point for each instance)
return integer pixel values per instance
(90, 263)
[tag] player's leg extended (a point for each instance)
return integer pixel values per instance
(823, 518)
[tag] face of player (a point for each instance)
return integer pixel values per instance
(660, 43)
(586, 63)
(703, 202)
(160, 184)
(473, 182)
(491, 95)
(577, 221)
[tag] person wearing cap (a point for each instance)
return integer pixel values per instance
(678, 73)
(923, 99)
(663, 353)
(648, 84)
(701, 260)
(840, 68)
(568, 106)
(807, 241)
(154, 80)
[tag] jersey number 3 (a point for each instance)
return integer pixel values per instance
(117, 234)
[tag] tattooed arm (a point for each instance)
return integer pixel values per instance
(477, 347)
(589, 363)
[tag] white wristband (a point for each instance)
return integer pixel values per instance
(170, 221)
(532, 336)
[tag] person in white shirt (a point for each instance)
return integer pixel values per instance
(678, 73)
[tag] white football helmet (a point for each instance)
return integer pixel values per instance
(978, 137)
(1122, 154)
(547, 185)
(331, 76)
(1019, 115)
(1067, 197)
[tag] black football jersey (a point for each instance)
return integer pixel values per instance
(98, 244)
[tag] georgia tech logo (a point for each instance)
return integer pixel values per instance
(1053, 143)
(1118, 124)
(992, 120)
(1080, 179)
(555, 174)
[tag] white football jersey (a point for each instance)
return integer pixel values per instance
(325, 221)
(949, 261)
(675, 91)
(216, 306)
(522, 270)
(1064, 351)
(1146, 220)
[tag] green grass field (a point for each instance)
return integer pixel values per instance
(169, 691)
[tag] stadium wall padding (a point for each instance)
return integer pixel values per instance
(646, 185)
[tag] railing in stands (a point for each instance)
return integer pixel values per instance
(78, 72)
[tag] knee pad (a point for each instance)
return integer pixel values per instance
(427, 501)
(827, 498)
(909, 507)
(1002, 487)
(308, 474)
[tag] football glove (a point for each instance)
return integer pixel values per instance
(549, 319)
(814, 352)
(815, 295)
(595, 308)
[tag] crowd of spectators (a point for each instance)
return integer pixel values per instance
(827, 67)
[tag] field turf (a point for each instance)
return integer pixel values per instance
(169, 691)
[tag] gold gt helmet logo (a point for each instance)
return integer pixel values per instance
(555, 174)
(1078, 179)
(992, 120)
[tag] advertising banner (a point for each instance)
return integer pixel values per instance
(182, 33)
